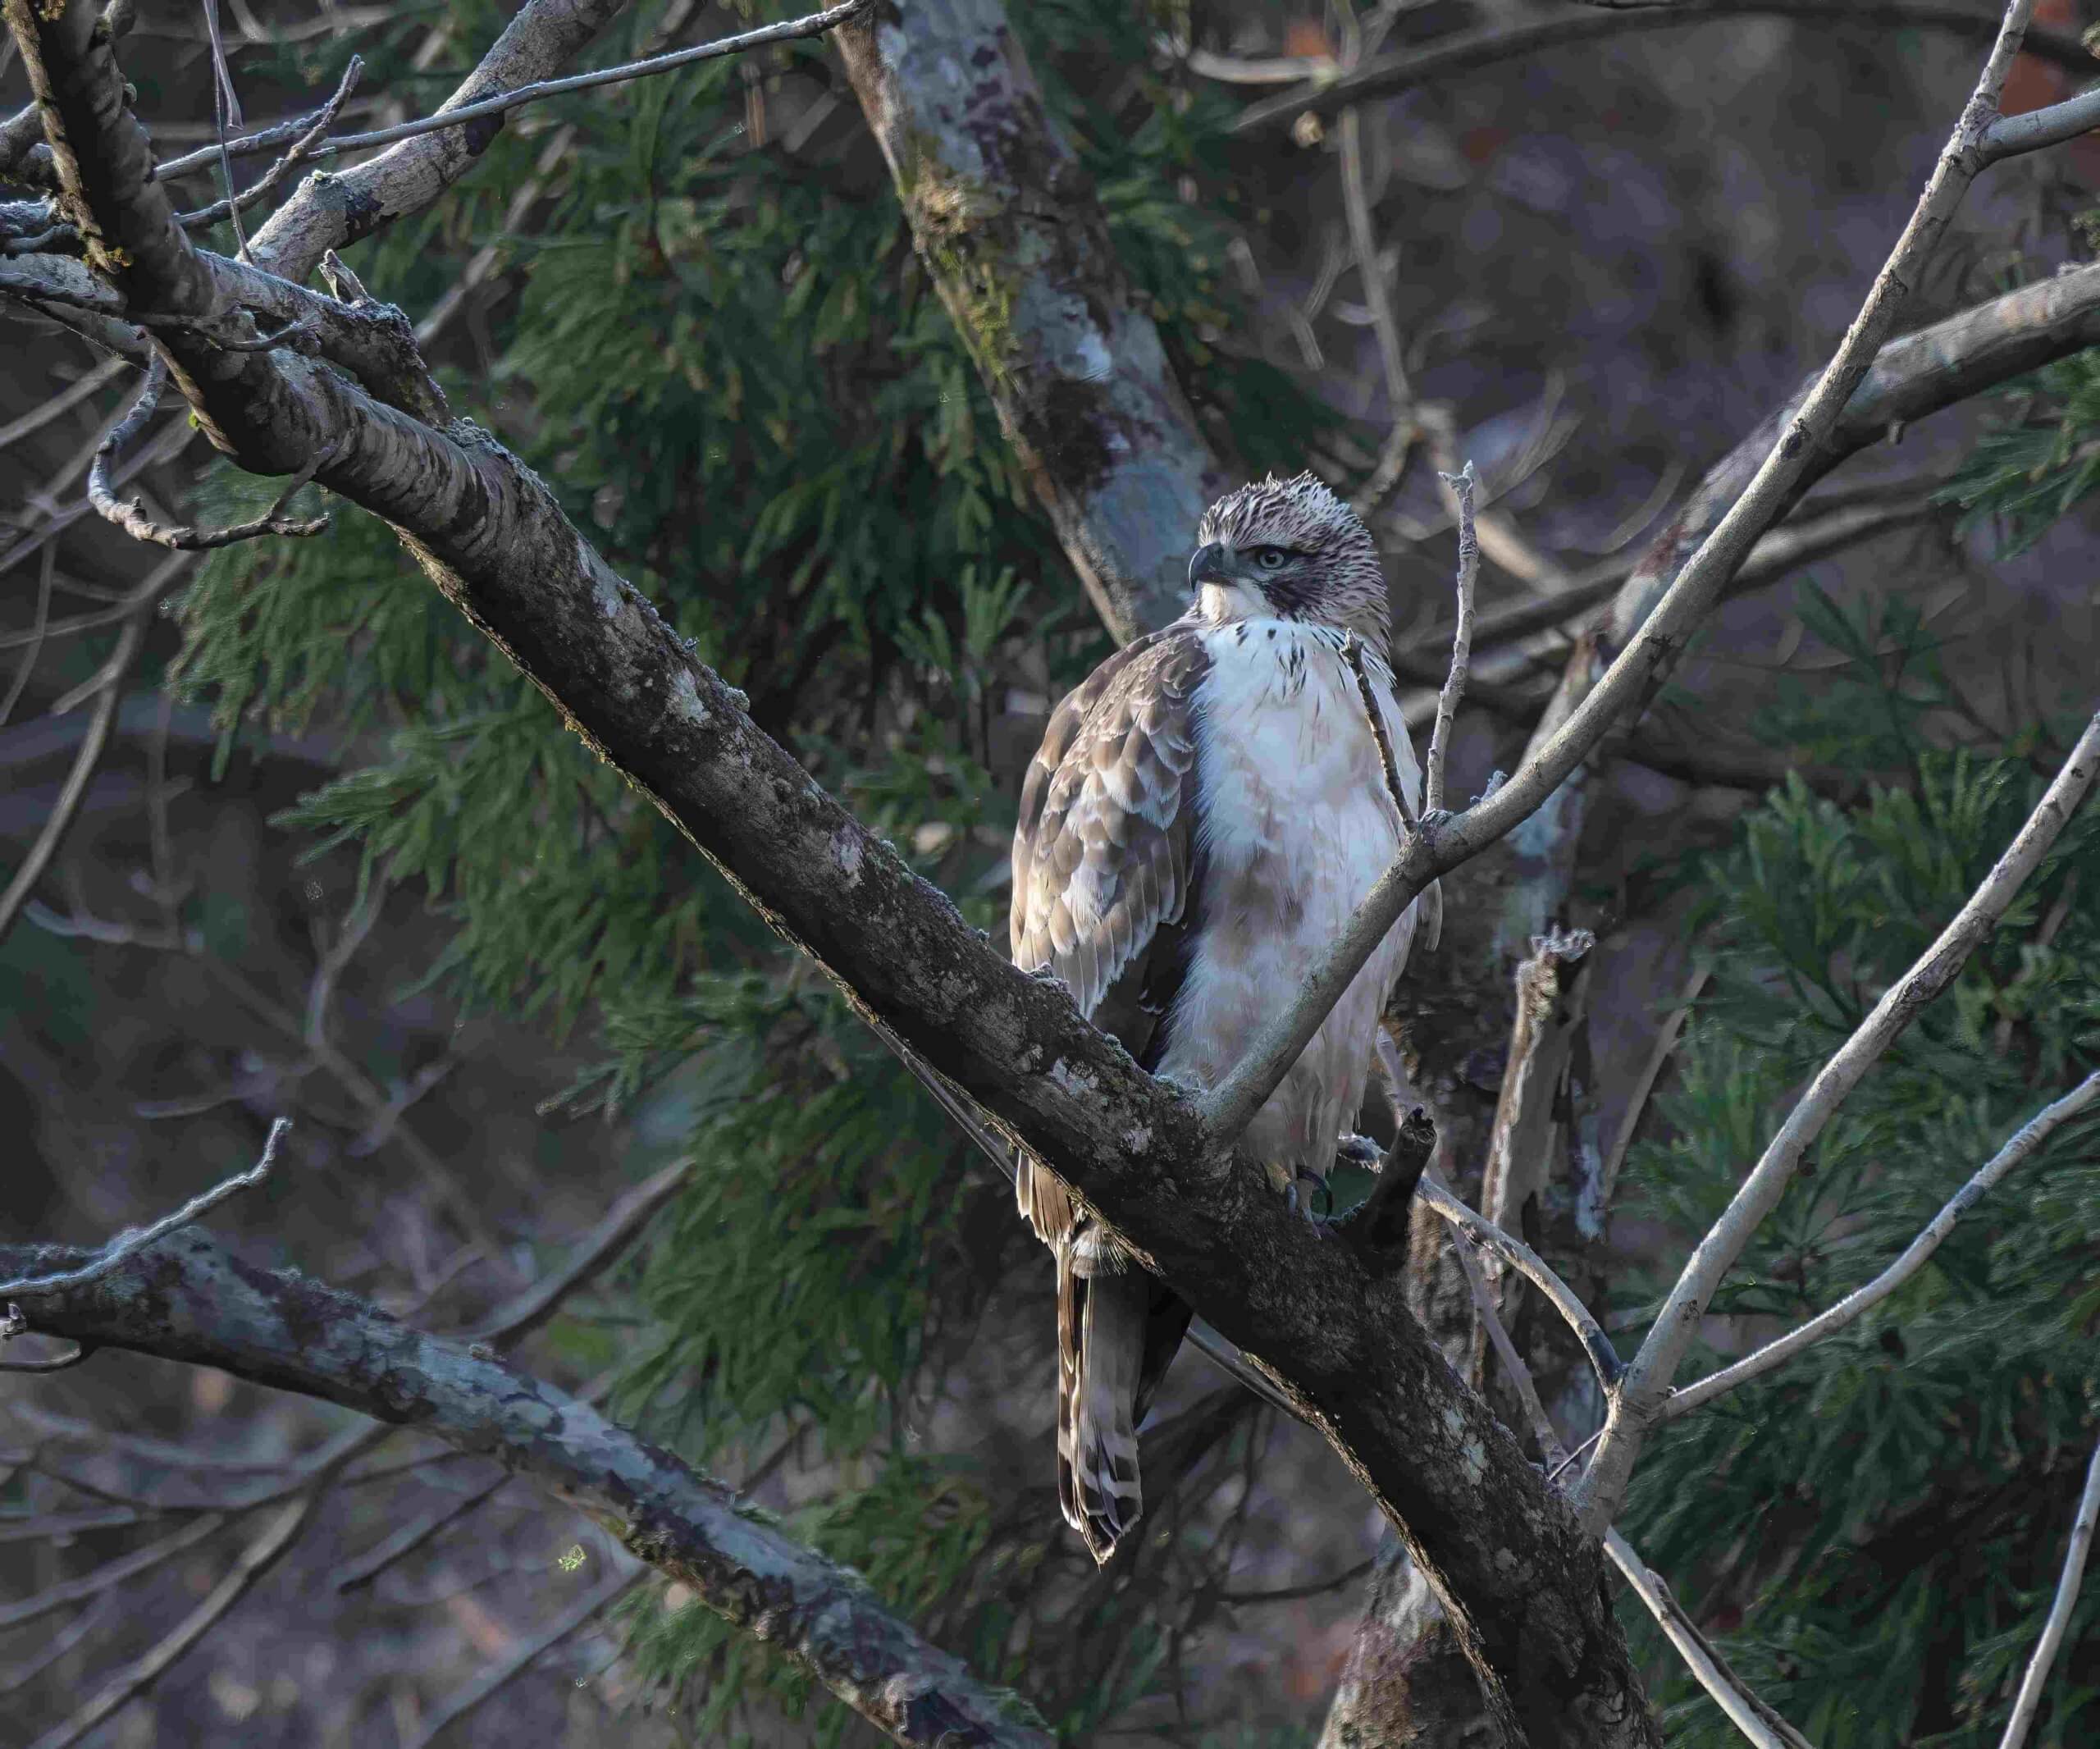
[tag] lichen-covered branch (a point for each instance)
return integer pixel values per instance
(188, 1298)
(1007, 224)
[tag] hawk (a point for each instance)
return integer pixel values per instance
(1203, 815)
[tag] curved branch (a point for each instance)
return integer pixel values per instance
(186, 1298)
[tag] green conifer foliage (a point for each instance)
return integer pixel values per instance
(723, 356)
(1877, 1526)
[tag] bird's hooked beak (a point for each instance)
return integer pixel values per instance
(1211, 565)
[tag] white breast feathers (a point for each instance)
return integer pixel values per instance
(1296, 825)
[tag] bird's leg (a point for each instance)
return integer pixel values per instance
(1301, 1197)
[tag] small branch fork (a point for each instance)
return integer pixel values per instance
(131, 515)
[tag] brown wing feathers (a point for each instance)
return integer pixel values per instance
(1104, 887)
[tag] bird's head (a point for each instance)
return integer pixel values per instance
(1288, 550)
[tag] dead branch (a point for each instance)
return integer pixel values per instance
(2029, 1701)
(1757, 1721)
(131, 515)
(60, 820)
(302, 147)
(816, 23)
(1461, 485)
(186, 1298)
(126, 1245)
(256, 1560)
(1855, 1305)
(1441, 61)
(1642, 1393)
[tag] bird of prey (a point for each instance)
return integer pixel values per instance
(1203, 815)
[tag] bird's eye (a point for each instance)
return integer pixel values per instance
(1271, 558)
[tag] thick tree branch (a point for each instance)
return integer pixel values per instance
(1013, 238)
(186, 1298)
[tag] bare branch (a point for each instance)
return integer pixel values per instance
(815, 24)
(90, 383)
(302, 148)
(256, 1560)
(1648, 1378)
(1644, 1083)
(2037, 1678)
(187, 1299)
(1757, 1722)
(1440, 62)
(130, 516)
(1626, 685)
(2010, 135)
(1462, 643)
(1551, 1449)
(455, 1707)
(1855, 1305)
(120, 1571)
(127, 1245)
(60, 820)
(332, 213)
(1604, 1358)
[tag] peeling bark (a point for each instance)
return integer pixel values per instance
(1007, 224)
(187, 1299)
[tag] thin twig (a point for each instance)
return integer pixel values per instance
(1855, 1305)
(1644, 1084)
(815, 24)
(40, 627)
(60, 820)
(1648, 1378)
(125, 1245)
(64, 402)
(118, 1572)
(2031, 1685)
(1352, 654)
(234, 203)
(1757, 1722)
(1535, 1269)
(622, 1578)
(1550, 1448)
(256, 1560)
(130, 516)
(1462, 643)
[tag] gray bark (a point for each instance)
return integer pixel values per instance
(185, 1298)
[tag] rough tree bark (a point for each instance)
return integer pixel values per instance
(1006, 220)
(185, 1298)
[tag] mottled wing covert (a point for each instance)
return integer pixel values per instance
(1104, 854)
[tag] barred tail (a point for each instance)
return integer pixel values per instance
(1102, 1322)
